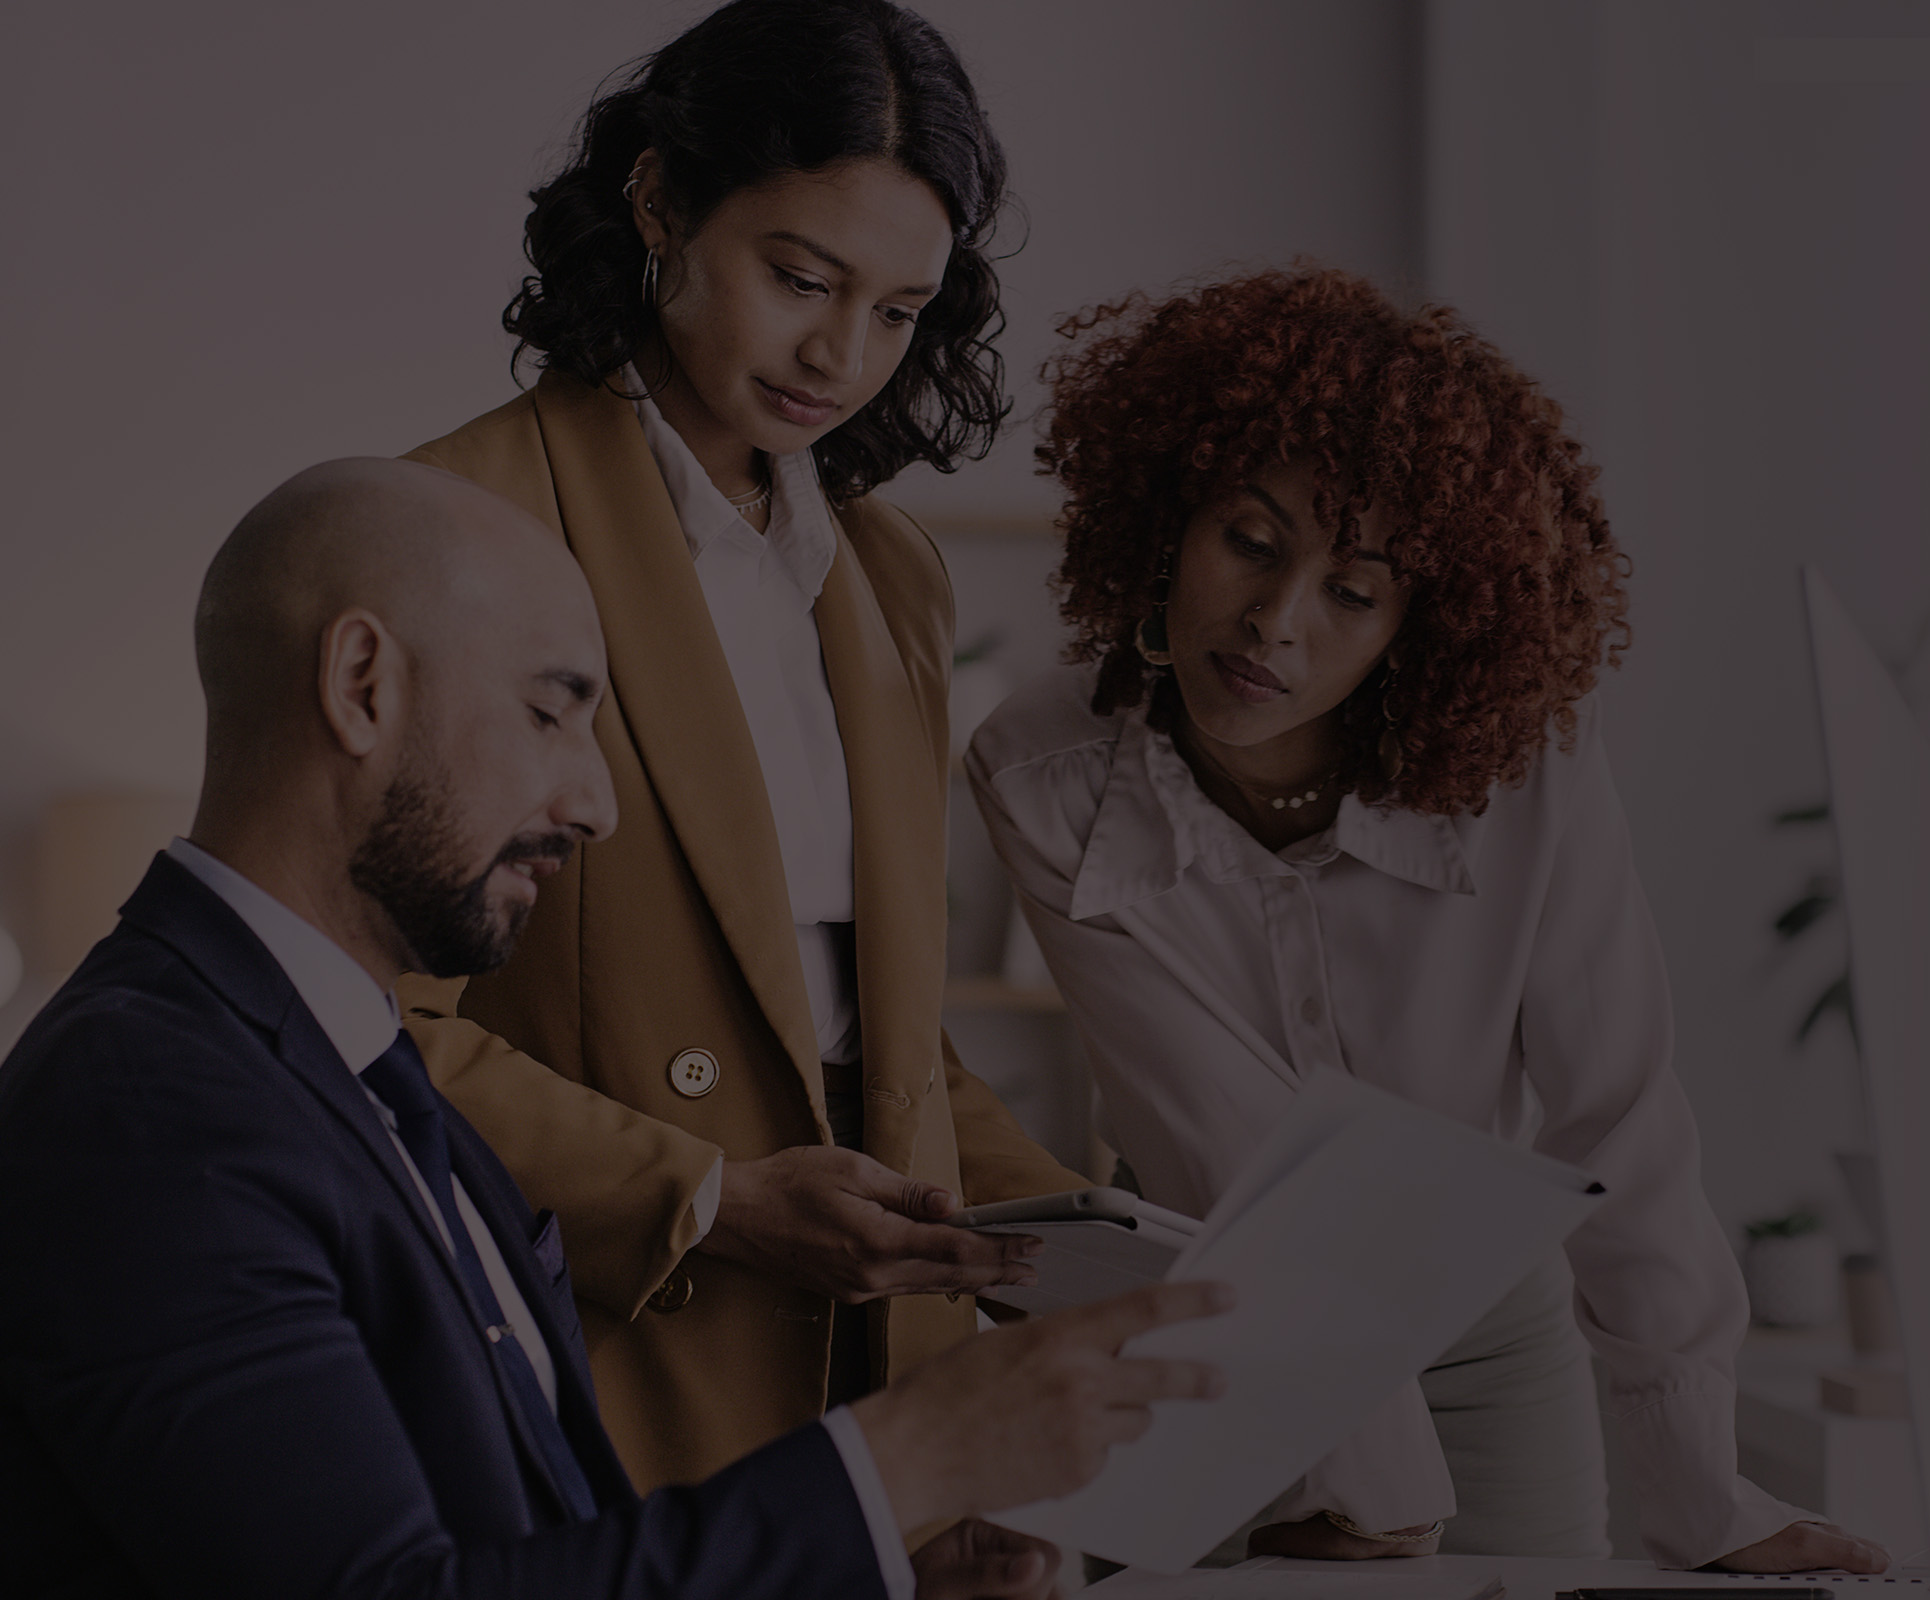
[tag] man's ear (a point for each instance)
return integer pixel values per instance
(363, 681)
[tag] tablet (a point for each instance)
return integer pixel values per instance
(1075, 1205)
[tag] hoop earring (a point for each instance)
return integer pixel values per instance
(1149, 638)
(650, 281)
(1392, 761)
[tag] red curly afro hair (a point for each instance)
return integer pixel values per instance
(1515, 587)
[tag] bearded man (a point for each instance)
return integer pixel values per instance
(276, 1322)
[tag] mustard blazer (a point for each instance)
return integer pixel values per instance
(675, 934)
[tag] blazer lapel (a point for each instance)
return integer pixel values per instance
(672, 687)
(898, 827)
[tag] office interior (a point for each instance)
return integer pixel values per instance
(243, 239)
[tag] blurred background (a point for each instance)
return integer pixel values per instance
(243, 238)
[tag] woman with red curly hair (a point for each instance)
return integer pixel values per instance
(1324, 787)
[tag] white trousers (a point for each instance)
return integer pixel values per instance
(1514, 1406)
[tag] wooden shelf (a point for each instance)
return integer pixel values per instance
(995, 994)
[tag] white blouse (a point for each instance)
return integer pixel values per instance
(761, 588)
(1501, 969)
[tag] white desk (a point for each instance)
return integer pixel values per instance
(1859, 1472)
(1531, 1579)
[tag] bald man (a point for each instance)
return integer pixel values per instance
(274, 1321)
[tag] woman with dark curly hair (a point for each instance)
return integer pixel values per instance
(1324, 787)
(760, 289)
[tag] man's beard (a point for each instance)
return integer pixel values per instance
(410, 863)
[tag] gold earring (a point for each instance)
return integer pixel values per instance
(1149, 638)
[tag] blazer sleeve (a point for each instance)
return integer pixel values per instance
(997, 1160)
(622, 1184)
(177, 1339)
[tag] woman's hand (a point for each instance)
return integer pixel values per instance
(1805, 1547)
(974, 1560)
(837, 1223)
(1317, 1539)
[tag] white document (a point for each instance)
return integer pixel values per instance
(1095, 1259)
(1363, 1239)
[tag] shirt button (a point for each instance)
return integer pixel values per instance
(675, 1293)
(694, 1073)
(1310, 1010)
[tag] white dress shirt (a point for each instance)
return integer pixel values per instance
(1501, 969)
(761, 589)
(361, 1021)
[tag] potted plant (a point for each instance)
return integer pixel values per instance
(1792, 1272)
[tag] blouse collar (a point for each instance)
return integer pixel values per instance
(1154, 823)
(801, 536)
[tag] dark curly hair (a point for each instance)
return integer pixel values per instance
(1515, 586)
(757, 89)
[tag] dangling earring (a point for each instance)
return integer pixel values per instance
(650, 280)
(1392, 762)
(1149, 638)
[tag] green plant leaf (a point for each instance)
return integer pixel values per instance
(1793, 1226)
(1804, 912)
(1835, 998)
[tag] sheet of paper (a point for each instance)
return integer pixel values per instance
(1246, 1584)
(1373, 1236)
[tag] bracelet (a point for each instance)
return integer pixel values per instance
(1348, 1525)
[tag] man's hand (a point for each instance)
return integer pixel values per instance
(977, 1561)
(1029, 1411)
(1317, 1539)
(1805, 1547)
(840, 1224)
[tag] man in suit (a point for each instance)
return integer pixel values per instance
(276, 1321)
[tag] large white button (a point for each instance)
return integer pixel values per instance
(694, 1073)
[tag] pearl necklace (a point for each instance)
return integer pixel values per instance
(1292, 801)
(1281, 802)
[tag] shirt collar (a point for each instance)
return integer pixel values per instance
(360, 1020)
(1153, 823)
(801, 537)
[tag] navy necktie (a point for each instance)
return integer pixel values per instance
(401, 1082)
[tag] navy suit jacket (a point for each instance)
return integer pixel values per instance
(237, 1360)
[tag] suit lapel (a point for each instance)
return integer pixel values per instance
(899, 856)
(673, 688)
(175, 906)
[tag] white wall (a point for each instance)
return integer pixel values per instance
(244, 238)
(1720, 271)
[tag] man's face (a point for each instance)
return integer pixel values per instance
(415, 863)
(498, 779)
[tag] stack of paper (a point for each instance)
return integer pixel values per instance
(1364, 1238)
